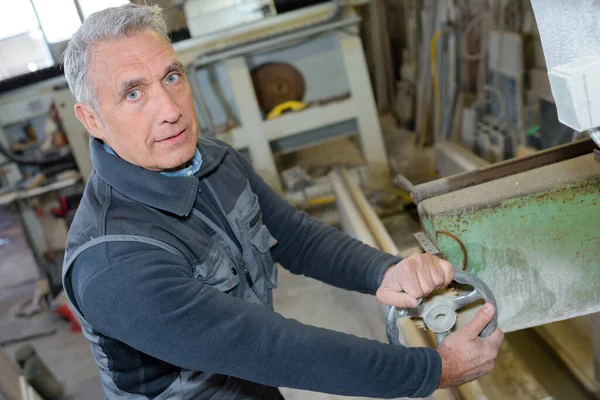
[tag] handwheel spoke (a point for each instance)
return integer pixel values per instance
(439, 337)
(464, 300)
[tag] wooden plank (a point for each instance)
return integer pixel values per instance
(512, 378)
(595, 328)
(524, 151)
(377, 48)
(9, 378)
(572, 342)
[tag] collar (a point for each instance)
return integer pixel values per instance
(190, 170)
(175, 194)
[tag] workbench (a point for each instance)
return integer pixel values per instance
(33, 228)
(226, 61)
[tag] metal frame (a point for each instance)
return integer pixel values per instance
(257, 134)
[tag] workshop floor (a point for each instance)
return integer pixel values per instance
(66, 353)
(301, 298)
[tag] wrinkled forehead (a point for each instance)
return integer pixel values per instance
(142, 55)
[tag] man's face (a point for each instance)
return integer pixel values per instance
(146, 113)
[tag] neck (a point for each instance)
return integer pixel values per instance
(182, 166)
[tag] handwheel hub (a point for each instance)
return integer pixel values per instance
(438, 317)
(438, 311)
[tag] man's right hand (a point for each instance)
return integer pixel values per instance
(466, 356)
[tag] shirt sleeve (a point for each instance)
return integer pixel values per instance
(147, 298)
(312, 248)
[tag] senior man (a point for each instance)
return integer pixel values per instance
(170, 257)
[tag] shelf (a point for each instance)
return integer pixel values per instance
(18, 147)
(309, 119)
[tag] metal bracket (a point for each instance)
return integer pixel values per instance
(426, 243)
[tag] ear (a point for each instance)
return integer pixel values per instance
(90, 119)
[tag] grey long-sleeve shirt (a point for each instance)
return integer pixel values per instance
(148, 298)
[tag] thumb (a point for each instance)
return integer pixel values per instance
(480, 321)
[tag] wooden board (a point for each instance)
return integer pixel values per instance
(9, 378)
(511, 378)
(572, 342)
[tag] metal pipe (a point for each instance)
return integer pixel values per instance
(495, 171)
(352, 221)
(274, 41)
(375, 225)
(595, 135)
(203, 109)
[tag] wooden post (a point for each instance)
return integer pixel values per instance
(595, 325)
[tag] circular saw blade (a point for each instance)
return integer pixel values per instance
(276, 83)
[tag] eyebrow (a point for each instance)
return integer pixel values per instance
(126, 85)
(174, 66)
(131, 83)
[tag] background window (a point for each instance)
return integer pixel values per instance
(34, 33)
(59, 18)
(88, 7)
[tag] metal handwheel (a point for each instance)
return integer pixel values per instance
(438, 311)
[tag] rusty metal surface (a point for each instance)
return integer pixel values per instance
(533, 237)
(496, 171)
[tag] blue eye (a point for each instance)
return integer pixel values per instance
(173, 78)
(133, 95)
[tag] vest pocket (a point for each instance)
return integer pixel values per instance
(217, 270)
(263, 242)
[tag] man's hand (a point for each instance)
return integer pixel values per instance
(414, 278)
(466, 356)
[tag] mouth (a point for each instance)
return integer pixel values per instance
(173, 137)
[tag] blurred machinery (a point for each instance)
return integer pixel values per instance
(284, 81)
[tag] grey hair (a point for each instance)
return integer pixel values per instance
(109, 24)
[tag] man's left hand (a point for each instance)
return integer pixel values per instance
(414, 278)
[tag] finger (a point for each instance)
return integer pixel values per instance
(437, 274)
(409, 278)
(496, 338)
(448, 270)
(480, 321)
(397, 299)
(425, 279)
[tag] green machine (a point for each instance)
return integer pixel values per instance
(529, 228)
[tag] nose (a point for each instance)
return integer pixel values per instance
(168, 109)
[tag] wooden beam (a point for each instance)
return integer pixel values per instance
(9, 378)
(573, 343)
(595, 328)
